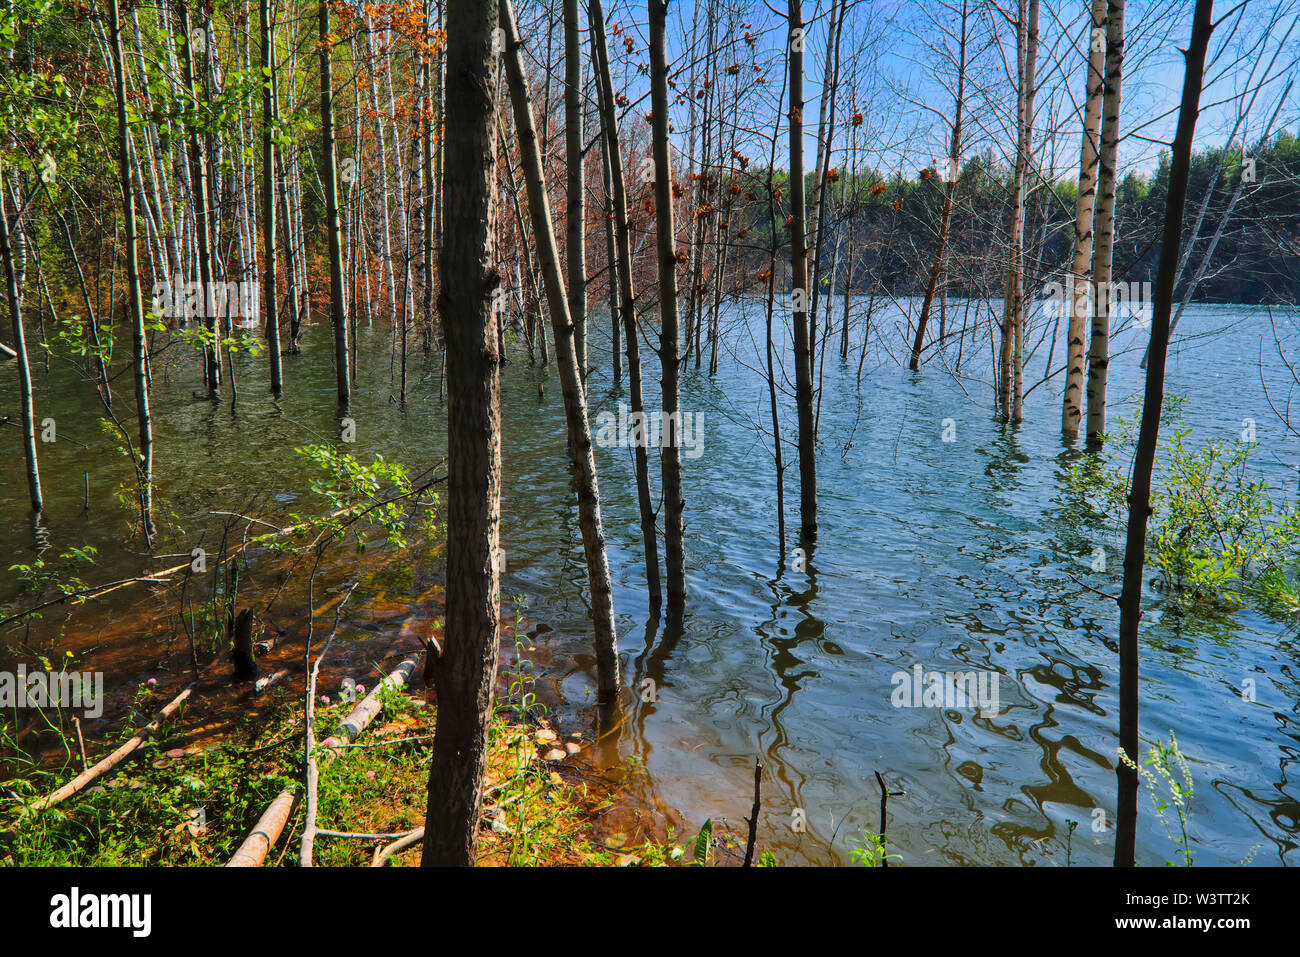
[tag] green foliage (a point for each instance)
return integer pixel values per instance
(702, 849)
(870, 851)
(161, 809)
(1175, 793)
(366, 497)
(60, 577)
(1214, 535)
(520, 674)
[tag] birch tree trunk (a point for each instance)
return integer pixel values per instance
(20, 349)
(464, 673)
(135, 307)
(1104, 224)
(329, 174)
(1080, 291)
(268, 196)
(566, 358)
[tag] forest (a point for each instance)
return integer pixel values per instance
(714, 433)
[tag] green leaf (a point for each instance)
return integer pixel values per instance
(703, 843)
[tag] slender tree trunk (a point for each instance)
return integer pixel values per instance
(822, 164)
(428, 123)
(1218, 232)
(1139, 500)
(268, 196)
(1013, 307)
(669, 346)
(333, 230)
(799, 280)
(1104, 224)
(611, 273)
(627, 303)
(1080, 291)
(203, 233)
(575, 400)
(464, 673)
(135, 305)
(20, 349)
(945, 216)
(576, 233)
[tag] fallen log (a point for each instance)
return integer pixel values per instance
(371, 704)
(353, 725)
(80, 782)
(270, 681)
(265, 832)
(382, 854)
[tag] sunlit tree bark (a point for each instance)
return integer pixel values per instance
(1104, 223)
(1080, 293)
(464, 672)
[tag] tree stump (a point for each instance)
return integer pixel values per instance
(242, 647)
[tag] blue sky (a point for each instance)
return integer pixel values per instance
(892, 52)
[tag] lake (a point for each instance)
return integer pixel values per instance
(958, 556)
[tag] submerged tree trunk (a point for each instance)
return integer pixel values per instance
(1104, 224)
(20, 350)
(566, 358)
(196, 83)
(464, 672)
(799, 283)
(134, 305)
(1012, 387)
(611, 271)
(333, 232)
(1079, 294)
(268, 197)
(627, 302)
(669, 346)
(576, 231)
(1139, 499)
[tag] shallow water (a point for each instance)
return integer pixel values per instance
(957, 556)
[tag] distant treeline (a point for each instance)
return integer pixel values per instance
(883, 226)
